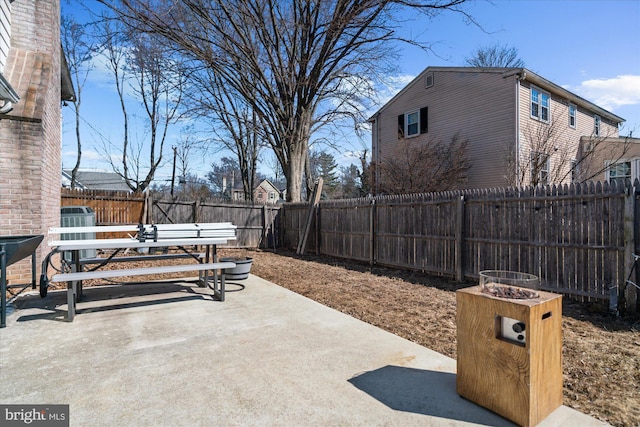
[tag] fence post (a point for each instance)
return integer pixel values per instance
(196, 206)
(459, 238)
(263, 238)
(372, 232)
(318, 213)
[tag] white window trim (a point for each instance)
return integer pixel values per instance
(406, 124)
(575, 116)
(539, 116)
(635, 168)
(5, 31)
(597, 125)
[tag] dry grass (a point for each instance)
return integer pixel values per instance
(601, 353)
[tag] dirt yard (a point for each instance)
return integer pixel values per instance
(601, 353)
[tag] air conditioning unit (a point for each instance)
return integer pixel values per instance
(78, 216)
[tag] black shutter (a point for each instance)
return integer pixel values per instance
(424, 120)
(401, 126)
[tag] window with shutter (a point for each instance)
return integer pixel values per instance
(413, 123)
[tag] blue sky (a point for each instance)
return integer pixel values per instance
(590, 47)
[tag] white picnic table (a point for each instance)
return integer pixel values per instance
(184, 236)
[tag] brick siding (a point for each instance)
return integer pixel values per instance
(30, 161)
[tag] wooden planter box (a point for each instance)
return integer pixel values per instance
(512, 371)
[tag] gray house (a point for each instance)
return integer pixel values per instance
(520, 127)
(95, 180)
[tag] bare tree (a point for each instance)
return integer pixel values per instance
(550, 154)
(222, 176)
(187, 145)
(424, 166)
(272, 164)
(597, 153)
(296, 63)
(495, 56)
(234, 124)
(76, 42)
(349, 182)
(144, 67)
(365, 176)
(191, 187)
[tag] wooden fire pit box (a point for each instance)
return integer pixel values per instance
(512, 371)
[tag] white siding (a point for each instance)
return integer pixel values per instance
(5, 31)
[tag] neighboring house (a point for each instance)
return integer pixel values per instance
(34, 80)
(237, 193)
(232, 190)
(266, 193)
(616, 159)
(94, 180)
(520, 128)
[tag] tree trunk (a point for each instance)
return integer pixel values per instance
(74, 172)
(294, 173)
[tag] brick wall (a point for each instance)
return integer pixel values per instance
(30, 135)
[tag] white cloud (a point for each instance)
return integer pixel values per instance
(86, 154)
(91, 155)
(393, 85)
(611, 93)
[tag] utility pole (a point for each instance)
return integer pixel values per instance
(173, 175)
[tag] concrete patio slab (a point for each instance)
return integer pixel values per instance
(167, 354)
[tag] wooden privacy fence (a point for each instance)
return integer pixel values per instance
(110, 207)
(257, 225)
(578, 239)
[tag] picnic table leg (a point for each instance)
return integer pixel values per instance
(72, 287)
(221, 285)
(203, 276)
(71, 300)
(215, 272)
(77, 267)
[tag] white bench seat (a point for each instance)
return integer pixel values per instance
(134, 258)
(106, 274)
(74, 280)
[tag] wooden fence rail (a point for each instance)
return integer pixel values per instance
(578, 239)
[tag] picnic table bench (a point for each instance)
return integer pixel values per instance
(183, 236)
